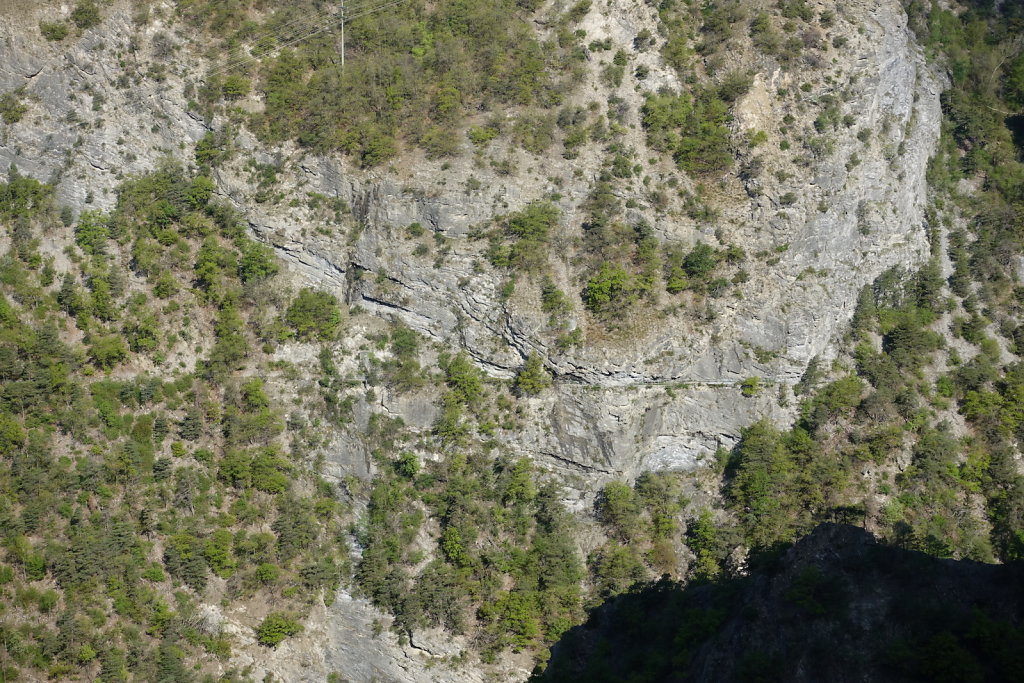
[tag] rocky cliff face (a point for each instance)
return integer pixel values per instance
(831, 222)
(817, 224)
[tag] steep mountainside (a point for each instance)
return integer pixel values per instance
(390, 357)
(815, 221)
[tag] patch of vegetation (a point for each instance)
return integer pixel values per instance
(412, 73)
(504, 555)
(86, 15)
(643, 523)
(275, 628)
(692, 128)
(54, 30)
(533, 378)
(193, 458)
(521, 242)
(12, 108)
(313, 315)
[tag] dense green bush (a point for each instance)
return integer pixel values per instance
(533, 378)
(314, 315)
(609, 290)
(275, 627)
(691, 128)
(528, 231)
(86, 14)
(617, 507)
(691, 269)
(22, 197)
(463, 378)
(54, 30)
(12, 109)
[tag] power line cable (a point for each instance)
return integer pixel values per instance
(297, 28)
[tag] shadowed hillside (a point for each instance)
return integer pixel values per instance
(834, 607)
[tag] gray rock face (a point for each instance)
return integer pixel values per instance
(93, 117)
(341, 640)
(611, 432)
(830, 220)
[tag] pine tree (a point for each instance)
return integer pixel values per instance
(533, 378)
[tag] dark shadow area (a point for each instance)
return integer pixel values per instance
(834, 607)
(1016, 126)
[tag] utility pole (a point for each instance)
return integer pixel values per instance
(343, 36)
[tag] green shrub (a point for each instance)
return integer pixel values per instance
(534, 222)
(463, 378)
(578, 11)
(12, 436)
(107, 351)
(258, 262)
(378, 146)
(208, 151)
(407, 465)
(86, 15)
(270, 471)
(236, 87)
(734, 85)
(275, 627)
(217, 552)
(231, 345)
(615, 568)
(617, 507)
(676, 280)
(609, 289)
(185, 560)
(700, 261)
(267, 573)
(314, 315)
(12, 109)
(692, 129)
(703, 539)
(92, 231)
(533, 378)
(760, 488)
(554, 302)
(481, 136)
(751, 386)
(54, 30)
(529, 229)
